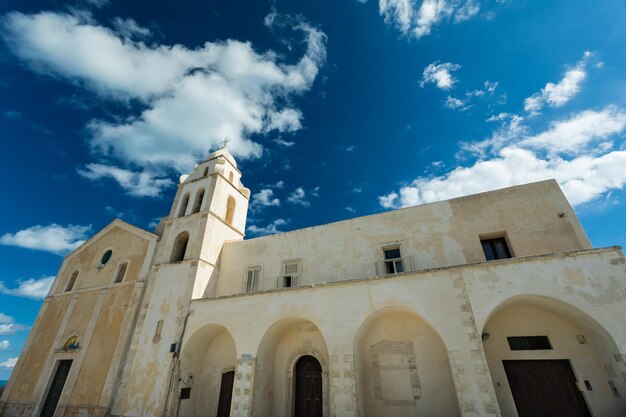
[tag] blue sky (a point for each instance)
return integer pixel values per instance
(334, 109)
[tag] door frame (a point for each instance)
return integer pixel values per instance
(290, 403)
(44, 396)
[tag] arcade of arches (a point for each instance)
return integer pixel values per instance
(401, 365)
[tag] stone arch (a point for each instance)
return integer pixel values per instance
(573, 335)
(402, 366)
(183, 205)
(179, 249)
(197, 205)
(283, 343)
(230, 210)
(206, 356)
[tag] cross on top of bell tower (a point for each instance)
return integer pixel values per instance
(224, 142)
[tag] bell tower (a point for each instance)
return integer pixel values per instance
(209, 209)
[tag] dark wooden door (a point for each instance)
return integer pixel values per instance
(56, 388)
(308, 394)
(226, 394)
(545, 388)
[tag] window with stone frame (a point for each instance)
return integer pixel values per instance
(393, 260)
(253, 276)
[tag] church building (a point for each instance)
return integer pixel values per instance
(493, 304)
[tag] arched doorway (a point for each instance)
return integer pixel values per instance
(547, 357)
(308, 389)
(283, 346)
(207, 372)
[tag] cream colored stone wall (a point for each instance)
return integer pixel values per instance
(98, 312)
(535, 219)
(442, 312)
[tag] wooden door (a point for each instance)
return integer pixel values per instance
(226, 394)
(56, 388)
(308, 396)
(545, 388)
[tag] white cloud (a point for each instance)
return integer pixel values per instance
(264, 198)
(573, 135)
(455, 103)
(193, 97)
(556, 95)
(129, 28)
(298, 196)
(440, 75)
(4, 344)
(350, 209)
(10, 328)
(418, 17)
(9, 363)
(138, 184)
(270, 229)
(54, 238)
(315, 192)
(6, 319)
(562, 152)
(285, 143)
(30, 288)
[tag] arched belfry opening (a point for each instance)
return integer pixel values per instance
(183, 205)
(230, 210)
(197, 205)
(180, 247)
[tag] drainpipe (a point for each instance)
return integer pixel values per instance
(175, 363)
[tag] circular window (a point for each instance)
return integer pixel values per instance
(106, 257)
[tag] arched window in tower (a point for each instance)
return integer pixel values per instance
(180, 247)
(183, 205)
(198, 203)
(206, 172)
(230, 210)
(231, 177)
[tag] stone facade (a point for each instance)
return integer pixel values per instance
(401, 310)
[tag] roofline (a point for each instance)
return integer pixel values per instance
(530, 184)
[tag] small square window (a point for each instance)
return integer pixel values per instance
(290, 275)
(495, 249)
(252, 279)
(393, 261)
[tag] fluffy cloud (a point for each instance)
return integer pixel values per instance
(4, 344)
(417, 18)
(193, 98)
(455, 103)
(30, 288)
(270, 229)
(9, 363)
(298, 197)
(575, 151)
(8, 325)
(440, 75)
(264, 198)
(138, 184)
(54, 238)
(555, 95)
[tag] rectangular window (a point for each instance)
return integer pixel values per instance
(529, 343)
(290, 275)
(72, 281)
(495, 249)
(121, 271)
(393, 261)
(252, 278)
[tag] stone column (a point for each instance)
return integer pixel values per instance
(470, 371)
(342, 385)
(241, 405)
